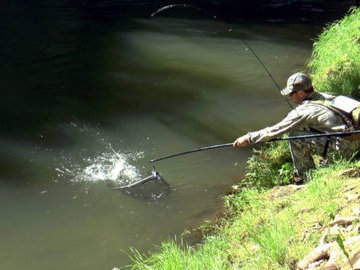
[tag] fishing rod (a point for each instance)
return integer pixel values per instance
(156, 176)
(299, 137)
(164, 8)
(193, 151)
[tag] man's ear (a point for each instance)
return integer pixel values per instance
(302, 94)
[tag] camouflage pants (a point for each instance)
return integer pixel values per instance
(302, 151)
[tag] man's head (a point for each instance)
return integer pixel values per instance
(298, 87)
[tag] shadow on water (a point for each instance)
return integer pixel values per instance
(234, 10)
(71, 81)
(55, 64)
(65, 67)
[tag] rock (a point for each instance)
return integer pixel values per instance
(351, 172)
(356, 211)
(350, 188)
(352, 197)
(355, 261)
(343, 221)
(316, 264)
(330, 256)
(320, 253)
(330, 266)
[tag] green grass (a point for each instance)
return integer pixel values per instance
(335, 63)
(212, 255)
(267, 230)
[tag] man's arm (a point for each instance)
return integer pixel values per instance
(292, 121)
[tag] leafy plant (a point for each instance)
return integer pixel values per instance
(269, 166)
(286, 172)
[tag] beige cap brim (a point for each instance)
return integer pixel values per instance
(286, 91)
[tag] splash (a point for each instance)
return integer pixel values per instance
(109, 165)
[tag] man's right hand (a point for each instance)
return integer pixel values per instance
(241, 141)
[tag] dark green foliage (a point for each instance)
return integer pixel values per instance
(269, 166)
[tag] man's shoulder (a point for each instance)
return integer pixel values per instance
(314, 103)
(320, 96)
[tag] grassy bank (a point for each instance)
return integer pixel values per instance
(269, 223)
(335, 62)
(271, 229)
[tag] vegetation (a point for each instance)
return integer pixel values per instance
(335, 62)
(274, 228)
(267, 230)
(269, 166)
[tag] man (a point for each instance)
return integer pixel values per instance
(307, 118)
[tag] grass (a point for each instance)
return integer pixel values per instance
(173, 256)
(335, 62)
(267, 230)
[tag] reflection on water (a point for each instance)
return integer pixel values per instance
(88, 104)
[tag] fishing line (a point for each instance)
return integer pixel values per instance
(180, 5)
(164, 8)
(193, 151)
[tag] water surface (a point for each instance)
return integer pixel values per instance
(88, 103)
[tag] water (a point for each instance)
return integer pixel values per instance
(86, 104)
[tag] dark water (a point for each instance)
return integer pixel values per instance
(88, 97)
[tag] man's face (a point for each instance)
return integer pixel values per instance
(297, 97)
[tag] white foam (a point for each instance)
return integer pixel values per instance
(109, 165)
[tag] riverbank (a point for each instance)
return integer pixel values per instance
(276, 229)
(272, 224)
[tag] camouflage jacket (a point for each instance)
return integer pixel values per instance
(306, 116)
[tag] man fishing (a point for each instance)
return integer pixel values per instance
(313, 115)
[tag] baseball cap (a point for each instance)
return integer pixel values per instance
(296, 82)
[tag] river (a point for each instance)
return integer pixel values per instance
(87, 103)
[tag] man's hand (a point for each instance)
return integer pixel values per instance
(241, 141)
